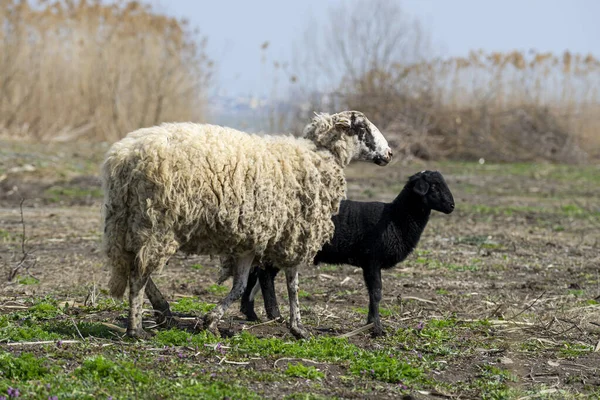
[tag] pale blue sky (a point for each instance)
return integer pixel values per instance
(236, 29)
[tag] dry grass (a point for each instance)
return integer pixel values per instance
(93, 70)
(501, 106)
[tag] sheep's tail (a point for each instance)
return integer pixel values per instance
(115, 220)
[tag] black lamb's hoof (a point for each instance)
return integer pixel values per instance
(377, 331)
(251, 316)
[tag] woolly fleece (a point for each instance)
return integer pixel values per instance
(208, 189)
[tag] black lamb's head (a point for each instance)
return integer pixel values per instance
(433, 190)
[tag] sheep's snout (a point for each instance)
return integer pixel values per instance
(384, 159)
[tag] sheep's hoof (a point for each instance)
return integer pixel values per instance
(165, 321)
(211, 324)
(299, 332)
(139, 334)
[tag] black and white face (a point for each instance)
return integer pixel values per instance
(369, 141)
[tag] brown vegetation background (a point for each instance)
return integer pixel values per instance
(516, 106)
(87, 69)
(94, 71)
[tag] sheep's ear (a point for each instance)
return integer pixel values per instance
(353, 122)
(421, 187)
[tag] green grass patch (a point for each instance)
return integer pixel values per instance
(99, 368)
(22, 367)
(191, 305)
(383, 311)
(197, 267)
(218, 290)
(4, 235)
(44, 310)
(329, 268)
(299, 370)
(177, 337)
(23, 330)
(493, 383)
(27, 280)
(56, 193)
(574, 350)
(386, 366)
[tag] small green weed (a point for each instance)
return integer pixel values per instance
(44, 310)
(102, 369)
(300, 370)
(176, 337)
(493, 383)
(28, 280)
(569, 350)
(56, 193)
(329, 268)
(23, 367)
(191, 305)
(218, 290)
(23, 330)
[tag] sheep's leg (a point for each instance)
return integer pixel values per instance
(162, 311)
(240, 277)
(136, 300)
(291, 277)
(372, 277)
(247, 307)
(266, 278)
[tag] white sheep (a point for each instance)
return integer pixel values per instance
(207, 189)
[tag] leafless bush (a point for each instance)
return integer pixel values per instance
(516, 106)
(94, 70)
(27, 260)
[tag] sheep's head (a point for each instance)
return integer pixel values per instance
(350, 136)
(433, 190)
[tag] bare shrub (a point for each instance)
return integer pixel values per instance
(347, 61)
(94, 70)
(515, 106)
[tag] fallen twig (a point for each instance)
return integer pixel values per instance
(248, 327)
(77, 329)
(528, 307)
(113, 327)
(42, 342)
(357, 331)
(294, 359)
(418, 299)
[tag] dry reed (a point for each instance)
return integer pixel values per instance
(93, 70)
(502, 106)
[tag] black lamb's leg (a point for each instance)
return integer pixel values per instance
(162, 311)
(247, 307)
(372, 275)
(266, 277)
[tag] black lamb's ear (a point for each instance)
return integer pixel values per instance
(421, 187)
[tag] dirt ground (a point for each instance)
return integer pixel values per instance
(519, 255)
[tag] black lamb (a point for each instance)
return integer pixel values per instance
(369, 235)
